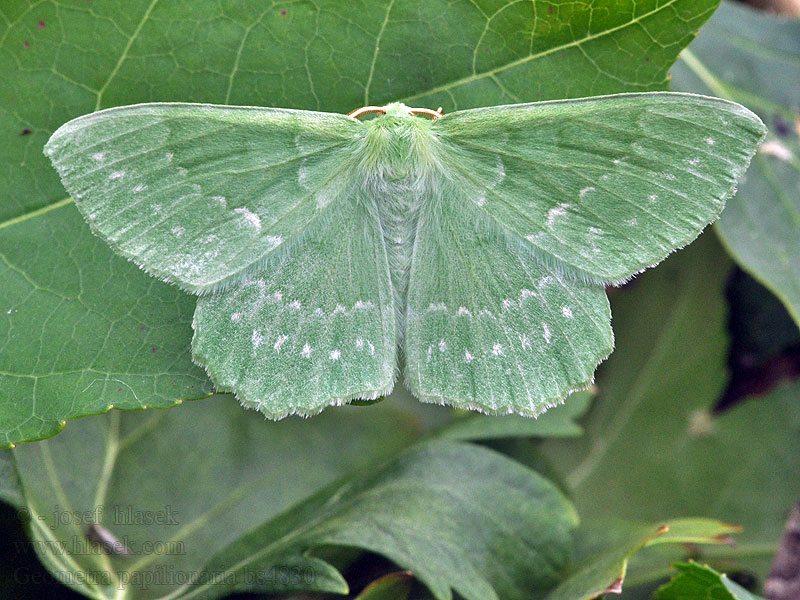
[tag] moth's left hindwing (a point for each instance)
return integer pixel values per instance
(314, 328)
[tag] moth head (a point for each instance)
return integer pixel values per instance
(397, 109)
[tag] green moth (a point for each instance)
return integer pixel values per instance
(468, 250)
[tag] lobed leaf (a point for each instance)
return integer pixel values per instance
(297, 55)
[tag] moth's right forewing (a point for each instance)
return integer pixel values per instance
(199, 195)
(605, 187)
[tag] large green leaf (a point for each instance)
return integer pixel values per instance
(86, 350)
(84, 331)
(698, 582)
(754, 58)
(240, 500)
(653, 445)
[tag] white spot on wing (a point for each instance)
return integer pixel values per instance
(442, 345)
(710, 141)
(360, 343)
(236, 317)
(98, 156)
(178, 231)
(117, 175)
(557, 211)
(335, 355)
(585, 191)
(280, 341)
(534, 237)
(139, 188)
(526, 343)
(463, 311)
(257, 339)
(497, 350)
(302, 174)
(251, 218)
(306, 353)
(546, 330)
(500, 171)
(566, 311)
(468, 357)
(295, 304)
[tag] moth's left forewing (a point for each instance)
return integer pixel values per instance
(199, 194)
(603, 187)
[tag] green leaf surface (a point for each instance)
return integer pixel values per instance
(394, 586)
(653, 447)
(298, 55)
(241, 505)
(603, 571)
(466, 496)
(213, 470)
(84, 331)
(701, 582)
(753, 57)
